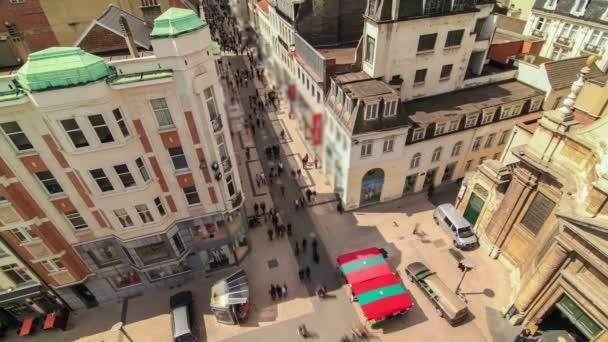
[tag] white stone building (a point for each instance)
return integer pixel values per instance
(571, 28)
(122, 170)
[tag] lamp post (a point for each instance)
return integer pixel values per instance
(464, 265)
(119, 327)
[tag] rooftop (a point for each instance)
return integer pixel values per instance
(503, 36)
(459, 103)
(562, 73)
(175, 22)
(367, 89)
(511, 24)
(342, 55)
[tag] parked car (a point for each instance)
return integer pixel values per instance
(181, 317)
(456, 225)
(447, 303)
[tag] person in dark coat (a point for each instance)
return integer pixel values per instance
(304, 243)
(314, 244)
(269, 234)
(307, 271)
(279, 290)
(273, 292)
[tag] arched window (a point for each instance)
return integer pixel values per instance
(415, 161)
(456, 149)
(436, 154)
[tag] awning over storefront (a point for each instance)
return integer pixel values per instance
(10, 296)
(231, 290)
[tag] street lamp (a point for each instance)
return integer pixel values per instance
(464, 265)
(119, 327)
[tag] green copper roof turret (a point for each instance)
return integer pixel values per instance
(175, 22)
(60, 67)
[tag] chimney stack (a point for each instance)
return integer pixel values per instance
(17, 41)
(128, 36)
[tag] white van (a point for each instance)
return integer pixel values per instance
(181, 317)
(457, 226)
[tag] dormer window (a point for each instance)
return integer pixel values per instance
(440, 129)
(340, 97)
(390, 108)
(418, 134)
(550, 4)
(371, 111)
(579, 7)
(453, 125)
(372, 7)
(488, 116)
(349, 104)
(332, 91)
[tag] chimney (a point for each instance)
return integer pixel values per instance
(128, 36)
(19, 44)
(151, 10)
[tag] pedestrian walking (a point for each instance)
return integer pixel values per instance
(315, 257)
(284, 290)
(307, 272)
(256, 208)
(314, 244)
(273, 292)
(276, 231)
(296, 250)
(280, 168)
(282, 135)
(316, 163)
(305, 160)
(296, 203)
(282, 189)
(279, 290)
(304, 243)
(340, 208)
(262, 178)
(314, 195)
(299, 173)
(269, 231)
(308, 195)
(289, 229)
(263, 207)
(301, 274)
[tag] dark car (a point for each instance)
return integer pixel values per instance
(181, 317)
(447, 303)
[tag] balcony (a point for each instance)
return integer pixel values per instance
(538, 33)
(565, 41)
(216, 122)
(226, 164)
(592, 48)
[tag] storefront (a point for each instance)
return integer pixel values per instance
(230, 299)
(27, 301)
(371, 186)
(566, 315)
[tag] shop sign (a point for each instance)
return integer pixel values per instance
(317, 129)
(462, 191)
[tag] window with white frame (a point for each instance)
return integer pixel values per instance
(162, 112)
(333, 88)
(456, 149)
(123, 217)
(210, 102)
(436, 154)
(230, 186)
(559, 53)
(178, 158)
(490, 140)
(415, 161)
(440, 128)
(418, 134)
(16, 273)
(476, 144)
(366, 148)
(49, 182)
(24, 234)
(370, 46)
(503, 137)
(446, 71)
(388, 145)
(349, 105)
(160, 206)
(371, 111)
(540, 24)
(52, 265)
(101, 128)
(579, 7)
(125, 176)
(453, 126)
(142, 169)
(550, 4)
(340, 97)
(77, 222)
(121, 122)
(390, 108)
(372, 7)
(191, 195)
(467, 165)
(535, 104)
(14, 133)
(517, 110)
(506, 112)
(102, 180)
(568, 31)
(144, 213)
(597, 41)
(73, 130)
(487, 116)
(471, 120)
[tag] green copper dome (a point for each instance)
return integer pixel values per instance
(60, 67)
(175, 22)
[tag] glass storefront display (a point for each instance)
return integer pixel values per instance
(204, 231)
(214, 258)
(168, 271)
(125, 279)
(155, 252)
(105, 256)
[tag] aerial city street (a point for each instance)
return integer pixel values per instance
(294, 170)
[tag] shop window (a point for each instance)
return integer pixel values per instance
(203, 232)
(179, 245)
(218, 257)
(125, 279)
(104, 256)
(153, 253)
(168, 271)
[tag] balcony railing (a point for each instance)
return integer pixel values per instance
(226, 164)
(564, 40)
(217, 124)
(538, 33)
(592, 48)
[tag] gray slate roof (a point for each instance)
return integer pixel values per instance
(595, 9)
(141, 32)
(562, 73)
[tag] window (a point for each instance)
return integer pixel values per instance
(537, 213)
(75, 133)
(436, 154)
(340, 97)
(487, 116)
(446, 71)
(162, 113)
(16, 273)
(579, 6)
(75, 219)
(540, 23)
(52, 265)
(490, 140)
(420, 76)
(506, 112)
(349, 105)
(471, 121)
(458, 5)
(388, 144)
(332, 91)
(230, 185)
(142, 169)
(390, 108)
(456, 149)
(102, 181)
(366, 148)
(318, 96)
(370, 46)
(101, 128)
(440, 128)
(104, 256)
(144, 213)
(191, 195)
(415, 161)
(516, 110)
(123, 216)
(153, 253)
(559, 53)
(551, 3)
(120, 121)
(125, 176)
(24, 234)
(159, 206)
(597, 40)
(454, 38)
(178, 158)
(467, 165)
(371, 111)
(432, 6)
(568, 32)
(372, 7)
(476, 144)
(503, 137)
(418, 134)
(179, 245)
(49, 182)
(15, 134)
(453, 126)
(426, 42)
